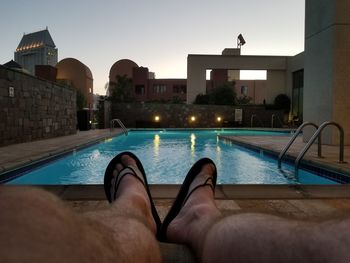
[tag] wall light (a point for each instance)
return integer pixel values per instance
(219, 119)
(156, 118)
(193, 118)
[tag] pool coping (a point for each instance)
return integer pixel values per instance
(222, 192)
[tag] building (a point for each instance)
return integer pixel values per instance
(75, 73)
(36, 48)
(145, 87)
(316, 80)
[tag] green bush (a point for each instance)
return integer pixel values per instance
(243, 100)
(282, 102)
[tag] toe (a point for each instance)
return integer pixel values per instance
(208, 169)
(127, 160)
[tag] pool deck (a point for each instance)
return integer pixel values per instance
(275, 144)
(305, 202)
(17, 155)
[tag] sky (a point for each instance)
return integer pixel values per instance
(158, 34)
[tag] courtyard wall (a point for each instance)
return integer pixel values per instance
(39, 109)
(142, 115)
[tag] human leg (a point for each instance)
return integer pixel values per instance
(254, 237)
(36, 226)
(267, 238)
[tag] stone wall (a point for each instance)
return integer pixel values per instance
(39, 109)
(141, 115)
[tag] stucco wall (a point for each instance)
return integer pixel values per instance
(78, 74)
(327, 68)
(276, 67)
(39, 109)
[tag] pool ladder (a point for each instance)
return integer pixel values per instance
(252, 117)
(125, 130)
(316, 135)
(273, 117)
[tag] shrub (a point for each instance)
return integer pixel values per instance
(243, 100)
(282, 102)
(202, 99)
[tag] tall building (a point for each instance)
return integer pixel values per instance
(36, 48)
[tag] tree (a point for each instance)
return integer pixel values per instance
(121, 91)
(81, 100)
(222, 95)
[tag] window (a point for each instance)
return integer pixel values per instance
(297, 94)
(159, 88)
(90, 90)
(140, 89)
(179, 89)
(244, 90)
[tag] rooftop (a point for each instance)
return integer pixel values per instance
(36, 40)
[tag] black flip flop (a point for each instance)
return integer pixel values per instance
(183, 194)
(109, 176)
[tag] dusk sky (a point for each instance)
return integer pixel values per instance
(158, 34)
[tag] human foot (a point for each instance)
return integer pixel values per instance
(125, 182)
(194, 205)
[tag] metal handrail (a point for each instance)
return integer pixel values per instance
(251, 120)
(273, 120)
(125, 130)
(318, 134)
(297, 132)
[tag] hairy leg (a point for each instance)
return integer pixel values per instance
(197, 215)
(255, 237)
(35, 226)
(266, 238)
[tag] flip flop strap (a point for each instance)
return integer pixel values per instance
(206, 182)
(130, 169)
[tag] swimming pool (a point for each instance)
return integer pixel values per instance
(167, 155)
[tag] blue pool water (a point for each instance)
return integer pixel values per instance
(167, 156)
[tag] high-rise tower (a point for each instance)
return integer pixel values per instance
(36, 48)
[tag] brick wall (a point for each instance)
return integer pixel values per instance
(178, 115)
(39, 109)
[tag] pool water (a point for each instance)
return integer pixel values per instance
(167, 156)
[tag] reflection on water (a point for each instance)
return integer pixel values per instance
(156, 142)
(166, 157)
(193, 143)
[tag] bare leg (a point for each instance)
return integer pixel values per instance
(195, 218)
(35, 226)
(255, 237)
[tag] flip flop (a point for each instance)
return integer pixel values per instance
(111, 183)
(185, 192)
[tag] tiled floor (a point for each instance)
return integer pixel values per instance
(16, 155)
(275, 144)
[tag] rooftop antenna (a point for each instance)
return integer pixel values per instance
(240, 41)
